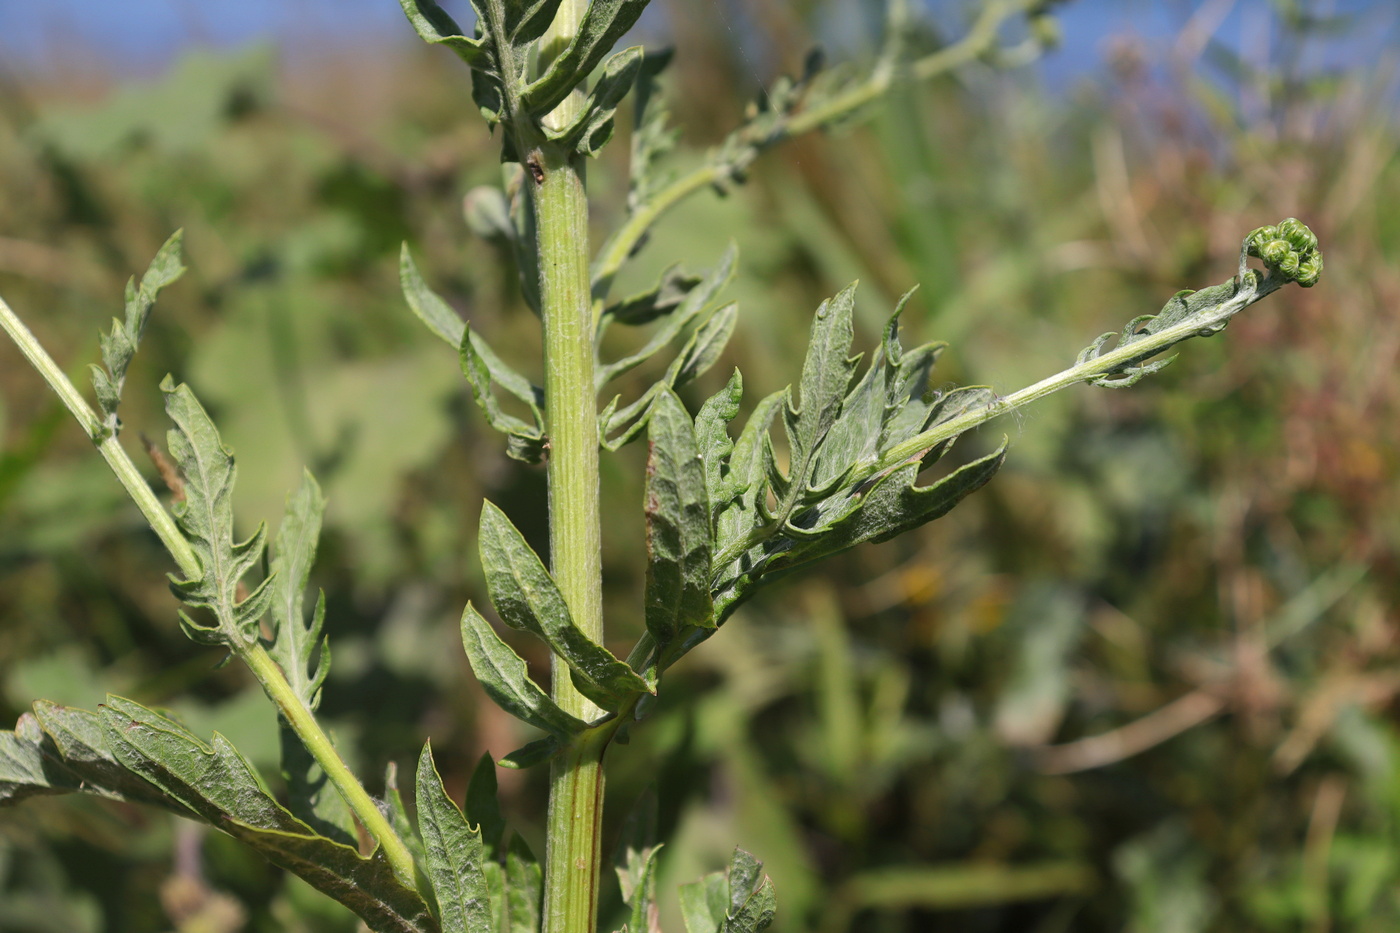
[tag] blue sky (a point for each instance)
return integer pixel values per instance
(142, 36)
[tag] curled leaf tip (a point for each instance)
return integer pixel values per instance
(1288, 249)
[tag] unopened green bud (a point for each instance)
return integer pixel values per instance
(1274, 252)
(1309, 270)
(1289, 264)
(1298, 235)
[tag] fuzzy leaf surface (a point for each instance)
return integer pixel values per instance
(58, 750)
(527, 599)
(752, 902)
(604, 22)
(593, 127)
(687, 311)
(505, 678)
(662, 299)
(677, 507)
(524, 887)
(206, 518)
(219, 785)
(119, 346)
(455, 854)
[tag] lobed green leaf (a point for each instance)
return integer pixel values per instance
(688, 310)
(119, 346)
(206, 519)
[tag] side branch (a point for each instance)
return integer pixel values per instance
(106, 442)
(718, 167)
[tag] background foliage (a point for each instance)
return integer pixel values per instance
(1201, 572)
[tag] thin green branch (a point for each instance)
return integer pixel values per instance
(1253, 290)
(979, 40)
(912, 450)
(267, 672)
(304, 723)
(107, 444)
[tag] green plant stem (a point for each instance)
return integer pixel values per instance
(624, 241)
(107, 444)
(304, 723)
(1103, 365)
(572, 861)
(268, 673)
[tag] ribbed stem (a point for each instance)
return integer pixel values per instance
(576, 778)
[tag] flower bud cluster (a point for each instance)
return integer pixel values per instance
(1290, 249)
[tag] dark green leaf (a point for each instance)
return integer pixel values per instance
(603, 24)
(712, 438)
(206, 518)
(527, 599)
(58, 750)
(746, 476)
(483, 808)
(757, 912)
(536, 752)
(454, 854)
(506, 679)
(745, 873)
(525, 887)
(882, 508)
(677, 510)
(826, 376)
(752, 903)
(218, 784)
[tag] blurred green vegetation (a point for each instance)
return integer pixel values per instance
(1146, 680)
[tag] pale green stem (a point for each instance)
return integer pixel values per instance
(1103, 365)
(107, 444)
(304, 723)
(573, 853)
(979, 39)
(268, 673)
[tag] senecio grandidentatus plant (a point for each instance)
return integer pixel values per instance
(723, 516)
